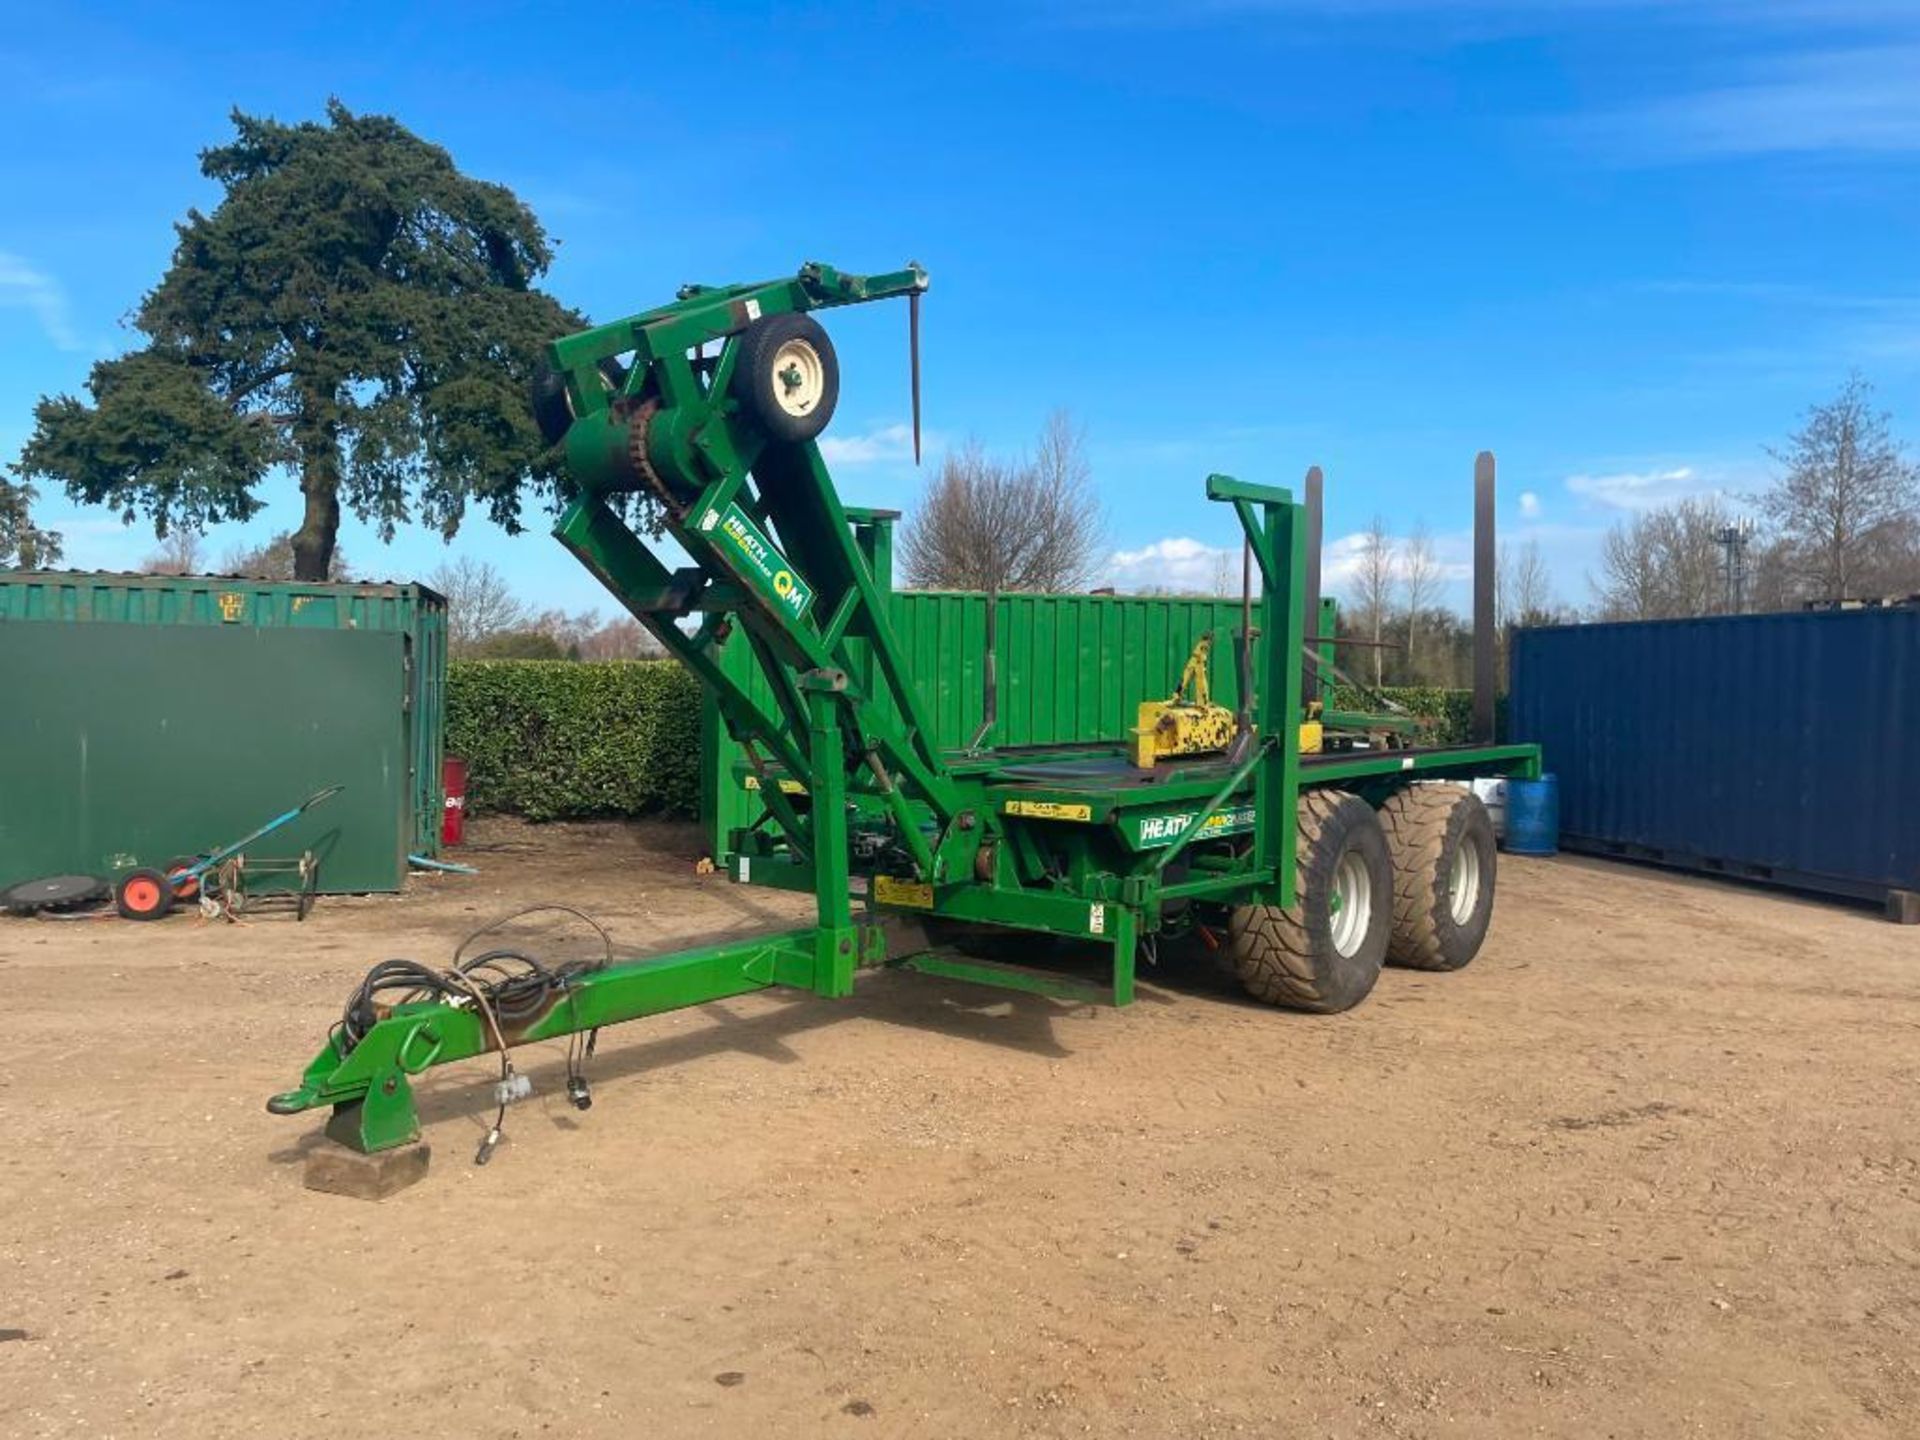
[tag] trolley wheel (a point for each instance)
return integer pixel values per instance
(1323, 953)
(143, 894)
(1443, 866)
(185, 887)
(788, 377)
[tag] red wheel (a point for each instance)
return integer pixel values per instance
(185, 887)
(143, 895)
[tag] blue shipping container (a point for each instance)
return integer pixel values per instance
(1770, 747)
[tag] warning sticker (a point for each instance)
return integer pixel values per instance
(1047, 810)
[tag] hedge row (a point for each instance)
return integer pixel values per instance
(1450, 710)
(563, 740)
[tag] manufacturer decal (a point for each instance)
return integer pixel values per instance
(758, 559)
(1150, 831)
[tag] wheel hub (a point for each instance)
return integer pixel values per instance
(801, 375)
(1350, 908)
(1463, 884)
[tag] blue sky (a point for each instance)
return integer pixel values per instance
(1622, 243)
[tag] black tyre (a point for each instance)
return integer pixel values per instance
(788, 377)
(552, 406)
(1441, 840)
(1324, 952)
(55, 892)
(552, 410)
(143, 894)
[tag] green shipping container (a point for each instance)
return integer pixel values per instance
(1070, 668)
(144, 717)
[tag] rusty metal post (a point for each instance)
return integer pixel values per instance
(1486, 681)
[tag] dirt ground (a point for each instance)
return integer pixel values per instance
(1650, 1167)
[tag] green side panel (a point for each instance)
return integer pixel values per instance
(413, 611)
(128, 744)
(1071, 668)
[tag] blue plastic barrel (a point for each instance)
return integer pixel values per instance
(1533, 816)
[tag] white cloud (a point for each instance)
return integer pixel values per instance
(1529, 505)
(884, 443)
(23, 286)
(1176, 563)
(1340, 559)
(1642, 489)
(1860, 101)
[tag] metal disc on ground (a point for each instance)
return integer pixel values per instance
(56, 892)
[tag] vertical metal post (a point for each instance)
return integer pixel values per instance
(1282, 539)
(1485, 658)
(873, 536)
(1315, 531)
(834, 943)
(1126, 947)
(1243, 681)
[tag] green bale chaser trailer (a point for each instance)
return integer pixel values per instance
(1304, 844)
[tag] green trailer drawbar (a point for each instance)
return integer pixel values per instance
(1308, 846)
(149, 717)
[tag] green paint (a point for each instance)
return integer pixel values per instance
(852, 755)
(1009, 977)
(130, 744)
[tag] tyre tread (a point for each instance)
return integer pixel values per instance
(1271, 949)
(1416, 823)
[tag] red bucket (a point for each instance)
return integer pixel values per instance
(453, 821)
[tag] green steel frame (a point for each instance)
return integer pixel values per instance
(863, 810)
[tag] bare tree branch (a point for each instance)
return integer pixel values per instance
(1374, 584)
(1845, 509)
(480, 603)
(182, 552)
(1664, 564)
(983, 524)
(1419, 588)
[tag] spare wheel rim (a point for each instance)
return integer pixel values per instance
(799, 377)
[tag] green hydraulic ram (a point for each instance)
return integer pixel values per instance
(704, 415)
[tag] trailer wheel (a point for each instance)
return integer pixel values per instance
(143, 894)
(788, 376)
(1324, 952)
(1443, 870)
